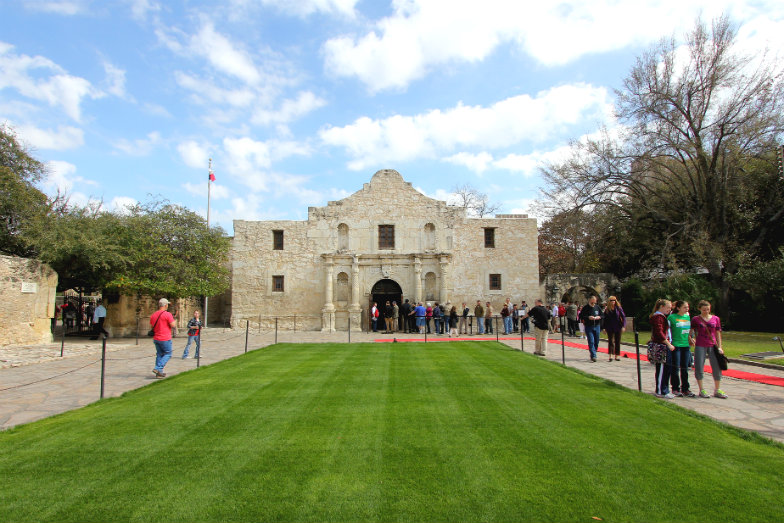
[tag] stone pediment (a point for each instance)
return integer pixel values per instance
(387, 192)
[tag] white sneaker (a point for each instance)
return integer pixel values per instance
(669, 395)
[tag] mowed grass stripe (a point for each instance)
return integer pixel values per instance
(385, 432)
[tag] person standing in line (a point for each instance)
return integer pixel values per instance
(508, 322)
(453, 321)
(680, 327)
(659, 327)
(554, 318)
(405, 310)
(194, 335)
(614, 324)
(99, 317)
(374, 316)
(395, 316)
(505, 315)
(388, 311)
(541, 317)
(515, 317)
(524, 322)
(437, 317)
(479, 314)
(591, 316)
(488, 318)
(419, 313)
(428, 316)
(464, 320)
(162, 323)
(571, 318)
(705, 335)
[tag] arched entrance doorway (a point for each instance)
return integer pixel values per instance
(383, 291)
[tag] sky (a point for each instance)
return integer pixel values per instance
(299, 102)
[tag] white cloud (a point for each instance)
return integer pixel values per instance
(62, 139)
(475, 162)
(120, 204)
(61, 7)
(140, 8)
(139, 147)
(305, 8)
(508, 122)
(115, 80)
(289, 110)
(217, 192)
(424, 34)
(61, 176)
(194, 154)
(41, 79)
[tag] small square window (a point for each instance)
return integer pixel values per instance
(495, 282)
(277, 284)
(489, 237)
(277, 240)
(386, 236)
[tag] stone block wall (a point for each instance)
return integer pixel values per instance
(27, 290)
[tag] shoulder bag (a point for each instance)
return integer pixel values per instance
(151, 332)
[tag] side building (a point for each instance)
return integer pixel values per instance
(385, 242)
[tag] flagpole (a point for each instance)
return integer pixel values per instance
(209, 185)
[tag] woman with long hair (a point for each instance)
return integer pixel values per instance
(705, 335)
(659, 336)
(680, 326)
(614, 323)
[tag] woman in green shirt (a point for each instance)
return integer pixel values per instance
(680, 325)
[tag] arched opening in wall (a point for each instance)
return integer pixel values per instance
(430, 286)
(341, 288)
(342, 237)
(579, 294)
(383, 291)
(430, 237)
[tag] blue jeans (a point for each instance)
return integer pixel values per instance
(508, 328)
(680, 369)
(163, 351)
(592, 333)
(480, 325)
(197, 339)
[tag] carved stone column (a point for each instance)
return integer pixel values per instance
(328, 312)
(417, 279)
(355, 310)
(444, 260)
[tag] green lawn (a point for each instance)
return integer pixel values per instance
(466, 431)
(734, 343)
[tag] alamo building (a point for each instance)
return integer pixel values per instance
(386, 241)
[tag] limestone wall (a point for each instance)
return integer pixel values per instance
(27, 289)
(122, 313)
(439, 254)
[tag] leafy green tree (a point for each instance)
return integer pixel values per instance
(170, 252)
(20, 201)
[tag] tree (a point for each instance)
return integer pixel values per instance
(171, 252)
(474, 202)
(20, 201)
(566, 243)
(695, 156)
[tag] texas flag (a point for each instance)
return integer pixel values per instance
(212, 176)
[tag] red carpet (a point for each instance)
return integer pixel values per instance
(731, 373)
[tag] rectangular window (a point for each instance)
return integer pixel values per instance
(495, 282)
(489, 237)
(386, 236)
(277, 284)
(277, 240)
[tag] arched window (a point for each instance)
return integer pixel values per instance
(430, 286)
(430, 237)
(341, 289)
(342, 237)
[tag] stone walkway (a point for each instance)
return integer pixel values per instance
(35, 382)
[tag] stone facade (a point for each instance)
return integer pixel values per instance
(28, 289)
(125, 313)
(385, 240)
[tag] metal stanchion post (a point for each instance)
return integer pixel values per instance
(259, 323)
(62, 342)
(522, 338)
(103, 364)
(563, 349)
(276, 330)
(426, 325)
(349, 328)
(637, 344)
(198, 352)
(137, 331)
(247, 328)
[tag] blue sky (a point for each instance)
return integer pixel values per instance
(299, 102)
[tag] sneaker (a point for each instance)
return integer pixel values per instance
(720, 394)
(677, 394)
(593, 360)
(689, 394)
(658, 395)
(669, 396)
(704, 394)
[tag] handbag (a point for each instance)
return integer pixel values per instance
(657, 352)
(151, 332)
(721, 358)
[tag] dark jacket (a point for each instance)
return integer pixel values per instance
(614, 320)
(591, 311)
(541, 316)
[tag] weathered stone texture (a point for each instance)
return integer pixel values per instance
(122, 313)
(28, 289)
(439, 254)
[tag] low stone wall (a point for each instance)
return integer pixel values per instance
(27, 290)
(122, 313)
